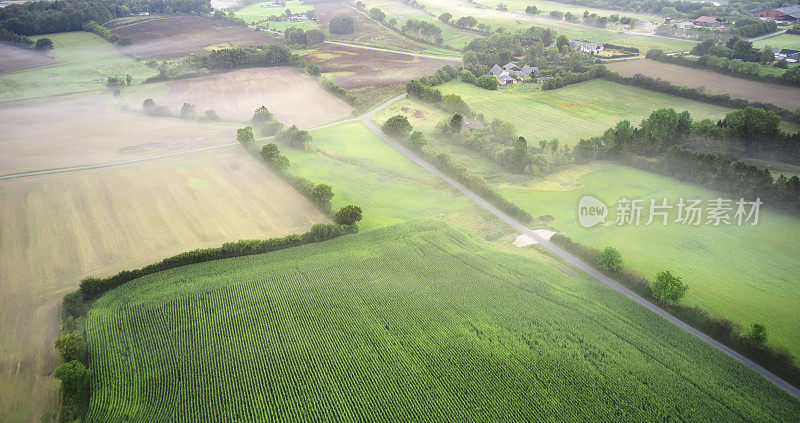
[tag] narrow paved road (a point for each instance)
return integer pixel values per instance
(771, 34)
(429, 56)
(616, 286)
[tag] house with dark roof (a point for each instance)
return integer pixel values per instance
(790, 55)
(510, 72)
(708, 21)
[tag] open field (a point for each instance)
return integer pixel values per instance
(259, 12)
(92, 129)
(86, 61)
(57, 229)
(365, 171)
(747, 274)
(547, 6)
(14, 59)
(164, 37)
(781, 95)
(369, 326)
(291, 96)
(358, 68)
(514, 20)
(790, 41)
(367, 32)
(570, 113)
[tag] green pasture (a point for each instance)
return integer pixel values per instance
(415, 322)
(365, 171)
(747, 274)
(790, 41)
(258, 12)
(86, 61)
(575, 111)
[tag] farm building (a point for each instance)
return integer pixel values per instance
(685, 25)
(790, 55)
(509, 73)
(787, 14)
(585, 46)
(708, 21)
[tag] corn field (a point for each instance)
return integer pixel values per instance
(418, 322)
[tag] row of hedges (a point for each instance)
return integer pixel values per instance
(702, 63)
(662, 86)
(776, 360)
(92, 288)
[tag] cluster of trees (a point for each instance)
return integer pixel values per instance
(564, 77)
(118, 81)
(734, 48)
(265, 122)
(341, 25)
(109, 36)
(33, 18)
(338, 91)
(425, 29)
(401, 129)
(377, 14)
(753, 27)
(74, 376)
(668, 289)
(424, 90)
(150, 107)
(662, 86)
(237, 58)
(737, 67)
(726, 174)
(272, 156)
(665, 134)
(228, 17)
(294, 137)
(297, 37)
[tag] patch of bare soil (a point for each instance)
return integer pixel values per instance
(14, 59)
(164, 37)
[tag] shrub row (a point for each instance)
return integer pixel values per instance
(662, 86)
(776, 360)
(703, 63)
(92, 288)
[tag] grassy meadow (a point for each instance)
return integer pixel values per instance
(790, 41)
(380, 326)
(86, 62)
(259, 12)
(570, 113)
(365, 171)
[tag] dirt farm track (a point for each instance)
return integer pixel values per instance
(714, 82)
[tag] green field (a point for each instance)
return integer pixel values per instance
(452, 37)
(548, 6)
(747, 274)
(570, 113)
(790, 41)
(259, 12)
(86, 62)
(364, 170)
(417, 322)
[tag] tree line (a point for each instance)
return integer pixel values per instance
(33, 18)
(398, 127)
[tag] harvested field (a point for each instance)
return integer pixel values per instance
(92, 129)
(14, 59)
(714, 82)
(57, 229)
(164, 37)
(292, 97)
(367, 31)
(355, 68)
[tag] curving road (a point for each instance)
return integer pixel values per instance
(616, 286)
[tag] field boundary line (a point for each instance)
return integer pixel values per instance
(109, 164)
(386, 50)
(616, 286)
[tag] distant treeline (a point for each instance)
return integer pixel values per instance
(102, 31)
(674, 8)
(776, 360)
(667, 136)
(44, 17)
(227, 59)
